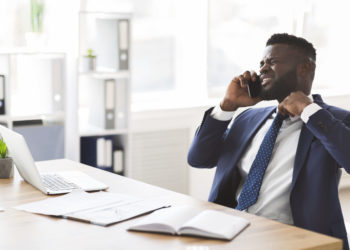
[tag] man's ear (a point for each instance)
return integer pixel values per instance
(305, 75)
(304, 69)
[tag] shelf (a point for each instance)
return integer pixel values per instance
(46, 118)
(106, 75)
(49, 53)
(94, 131)
(103, 86)
(106, 14)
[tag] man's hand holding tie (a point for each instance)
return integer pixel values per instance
(294, 104)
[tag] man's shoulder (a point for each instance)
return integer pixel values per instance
(337, 112)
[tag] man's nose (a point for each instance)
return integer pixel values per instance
(264, 68)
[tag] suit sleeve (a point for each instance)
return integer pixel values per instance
(206, 146)
(334, 134)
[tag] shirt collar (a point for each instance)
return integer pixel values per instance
(295, 118)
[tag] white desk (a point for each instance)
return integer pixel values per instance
(21, 230)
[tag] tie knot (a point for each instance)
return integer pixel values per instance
(280, 117)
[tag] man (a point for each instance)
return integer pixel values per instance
(282, 166)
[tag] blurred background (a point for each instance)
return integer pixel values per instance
(122, 84)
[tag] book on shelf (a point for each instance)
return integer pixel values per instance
(58, 73)
(187, 220)
(104, 153)
(102, 109)
(108, 154)
(96, 151)
(108, 108)
(123, 35)
(2, 94)
(88, 150)
(109, 103)
(100, 152)
(118, 161)
(121, 103)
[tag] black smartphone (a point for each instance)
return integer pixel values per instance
(254, 88)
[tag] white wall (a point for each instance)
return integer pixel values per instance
(171, 119)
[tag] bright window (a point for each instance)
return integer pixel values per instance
(187, 49)
(153, 45)
(169, 51)
(238, 31)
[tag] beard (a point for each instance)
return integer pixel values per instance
(281, 87)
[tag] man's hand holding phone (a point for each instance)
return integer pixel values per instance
(237, 94)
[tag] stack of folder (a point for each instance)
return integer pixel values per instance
(100, 152)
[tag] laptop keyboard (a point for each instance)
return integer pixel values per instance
(57, 183)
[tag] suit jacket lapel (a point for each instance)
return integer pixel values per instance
(305, 140)
(242, 136)
(259, 120)
(304, 143)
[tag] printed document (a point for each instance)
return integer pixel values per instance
(100, 208)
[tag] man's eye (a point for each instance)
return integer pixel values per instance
(275, 61)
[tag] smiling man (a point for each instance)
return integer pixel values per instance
(282, 162)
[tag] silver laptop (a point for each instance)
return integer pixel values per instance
(48, 183)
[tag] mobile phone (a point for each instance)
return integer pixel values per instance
(254, 88)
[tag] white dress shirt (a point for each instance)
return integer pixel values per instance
(273, 200)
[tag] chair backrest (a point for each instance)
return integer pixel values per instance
(340, 172)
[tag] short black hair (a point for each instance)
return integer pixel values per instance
(298, 42)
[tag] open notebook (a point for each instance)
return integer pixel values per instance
(188, 220)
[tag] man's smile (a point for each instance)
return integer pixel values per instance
(265, 81)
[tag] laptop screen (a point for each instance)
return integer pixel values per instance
(19, 152)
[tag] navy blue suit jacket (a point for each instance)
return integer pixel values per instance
(323, 148)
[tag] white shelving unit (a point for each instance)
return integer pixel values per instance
(34, 93)
(104, 90)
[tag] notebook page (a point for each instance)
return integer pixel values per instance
(173, 217)
(211, 223)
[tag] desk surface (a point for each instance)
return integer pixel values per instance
(22, 230)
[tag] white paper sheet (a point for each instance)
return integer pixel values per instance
(102, 208)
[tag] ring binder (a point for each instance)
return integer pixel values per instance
(102, 109)
(97, 151)
(123, 30)
(2, 94)
(110, 104)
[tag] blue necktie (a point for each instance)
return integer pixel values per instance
(252, 185)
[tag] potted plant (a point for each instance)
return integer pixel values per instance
(89, 61)
(37, 15)
(36, 38)
(6, 163)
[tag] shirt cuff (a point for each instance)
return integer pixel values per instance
(218, 114)
(308, 111)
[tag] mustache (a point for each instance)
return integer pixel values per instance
(266, 75)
